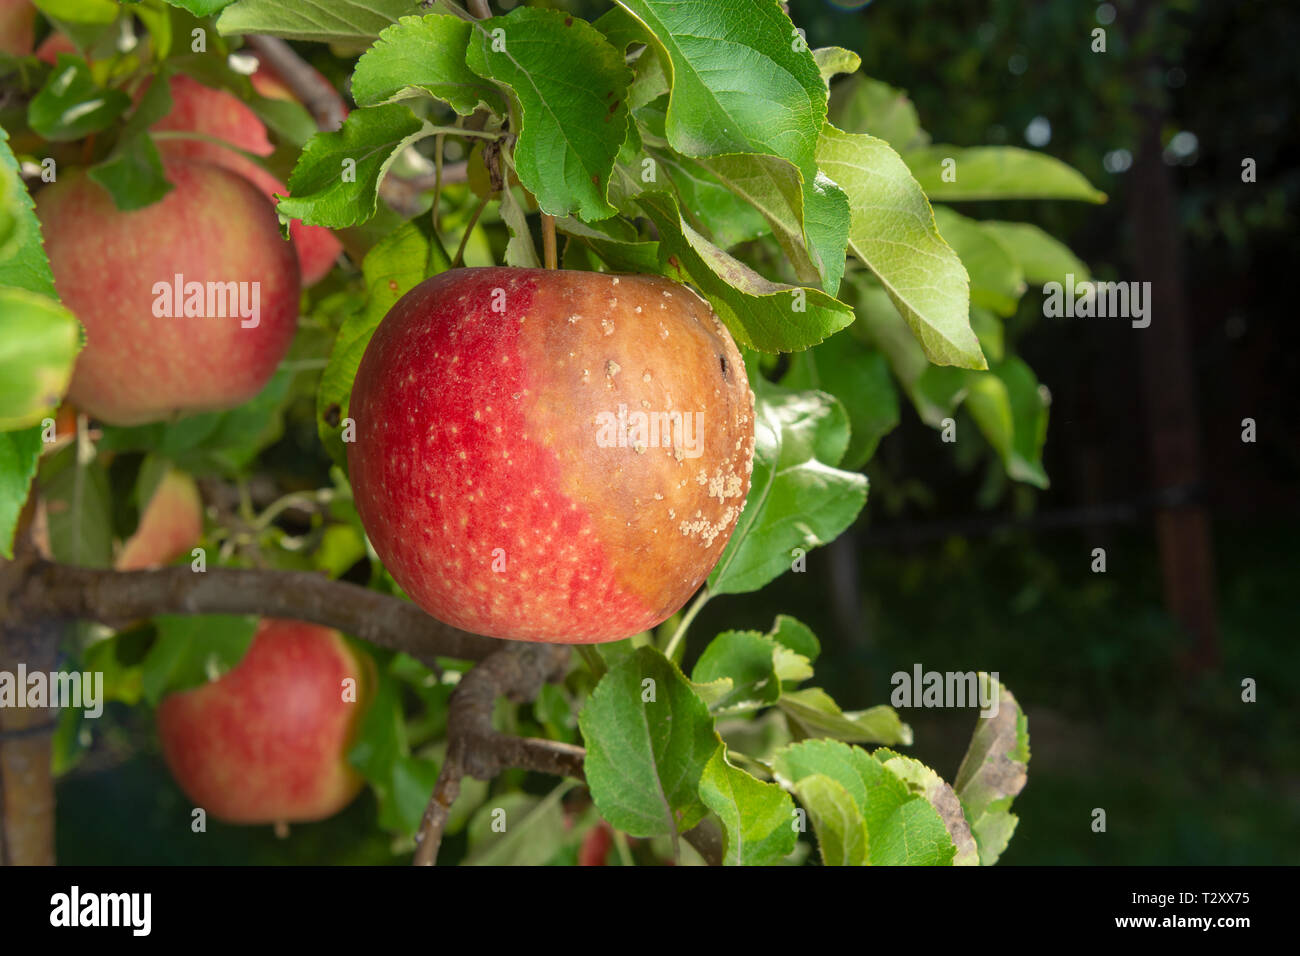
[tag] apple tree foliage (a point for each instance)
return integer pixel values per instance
(705, 142)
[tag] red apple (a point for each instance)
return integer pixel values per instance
(492, 469)
(53, 45)
(17, 27)
(200, 109)
(596, 844)
(113, 270)
(268, 741)
(171, 524)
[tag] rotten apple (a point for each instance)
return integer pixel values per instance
(550, 455)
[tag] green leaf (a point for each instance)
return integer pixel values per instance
(1042, 258)
(815, 714)
(648, 739)
(858, 376)
(80, 11)
(774, 189)
(827, 221)
(71, 105)
(796, 637)
(757, 817)
(39, 340)
(902, 828)
(201, 8)
(993, 772)
(621, 250)
(516, 829)
(192, 650)
(997, 172)
(836, 819)
(24, 265)
(78, 508)
(921, 780)
(381, 754)
(914, 835)
(1011, 411)
(996, 281)
(834, 60)
(748, 659)
(741, 84)
(345, 22)
(423, 55)
(133, 173)
(797, 497)
(213, 442)
(864, 105)
(992, 336)
(622, 30)
(370, 138)
(391, 268)
(571, 131)
(880, 325)
(894, 235)
(761, 314)
(19, 453)
(520, 250)
(122, 680)
(720, 209)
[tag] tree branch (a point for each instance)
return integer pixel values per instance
(320, 98)
(26, 777)
(476, 749)
(36, 594)
(45, 590)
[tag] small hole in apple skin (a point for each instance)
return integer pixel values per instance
(722, 360)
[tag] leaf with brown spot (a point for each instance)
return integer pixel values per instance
(993, 771)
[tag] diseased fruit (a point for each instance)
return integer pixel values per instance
(148, 356)
(550, 455)
(268, 741)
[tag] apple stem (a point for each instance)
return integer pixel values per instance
(689, 616)
(548, 240)
(281, 829)
(591, 657)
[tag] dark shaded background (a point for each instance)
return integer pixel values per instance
(953, 567)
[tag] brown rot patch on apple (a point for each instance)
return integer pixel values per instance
(580, 487)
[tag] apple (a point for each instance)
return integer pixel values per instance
(144, 359)
(550, 455)
(267, 742)
(170, 525)
(17, 27)
(596, 844)
(53, 45)
(220, 114)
